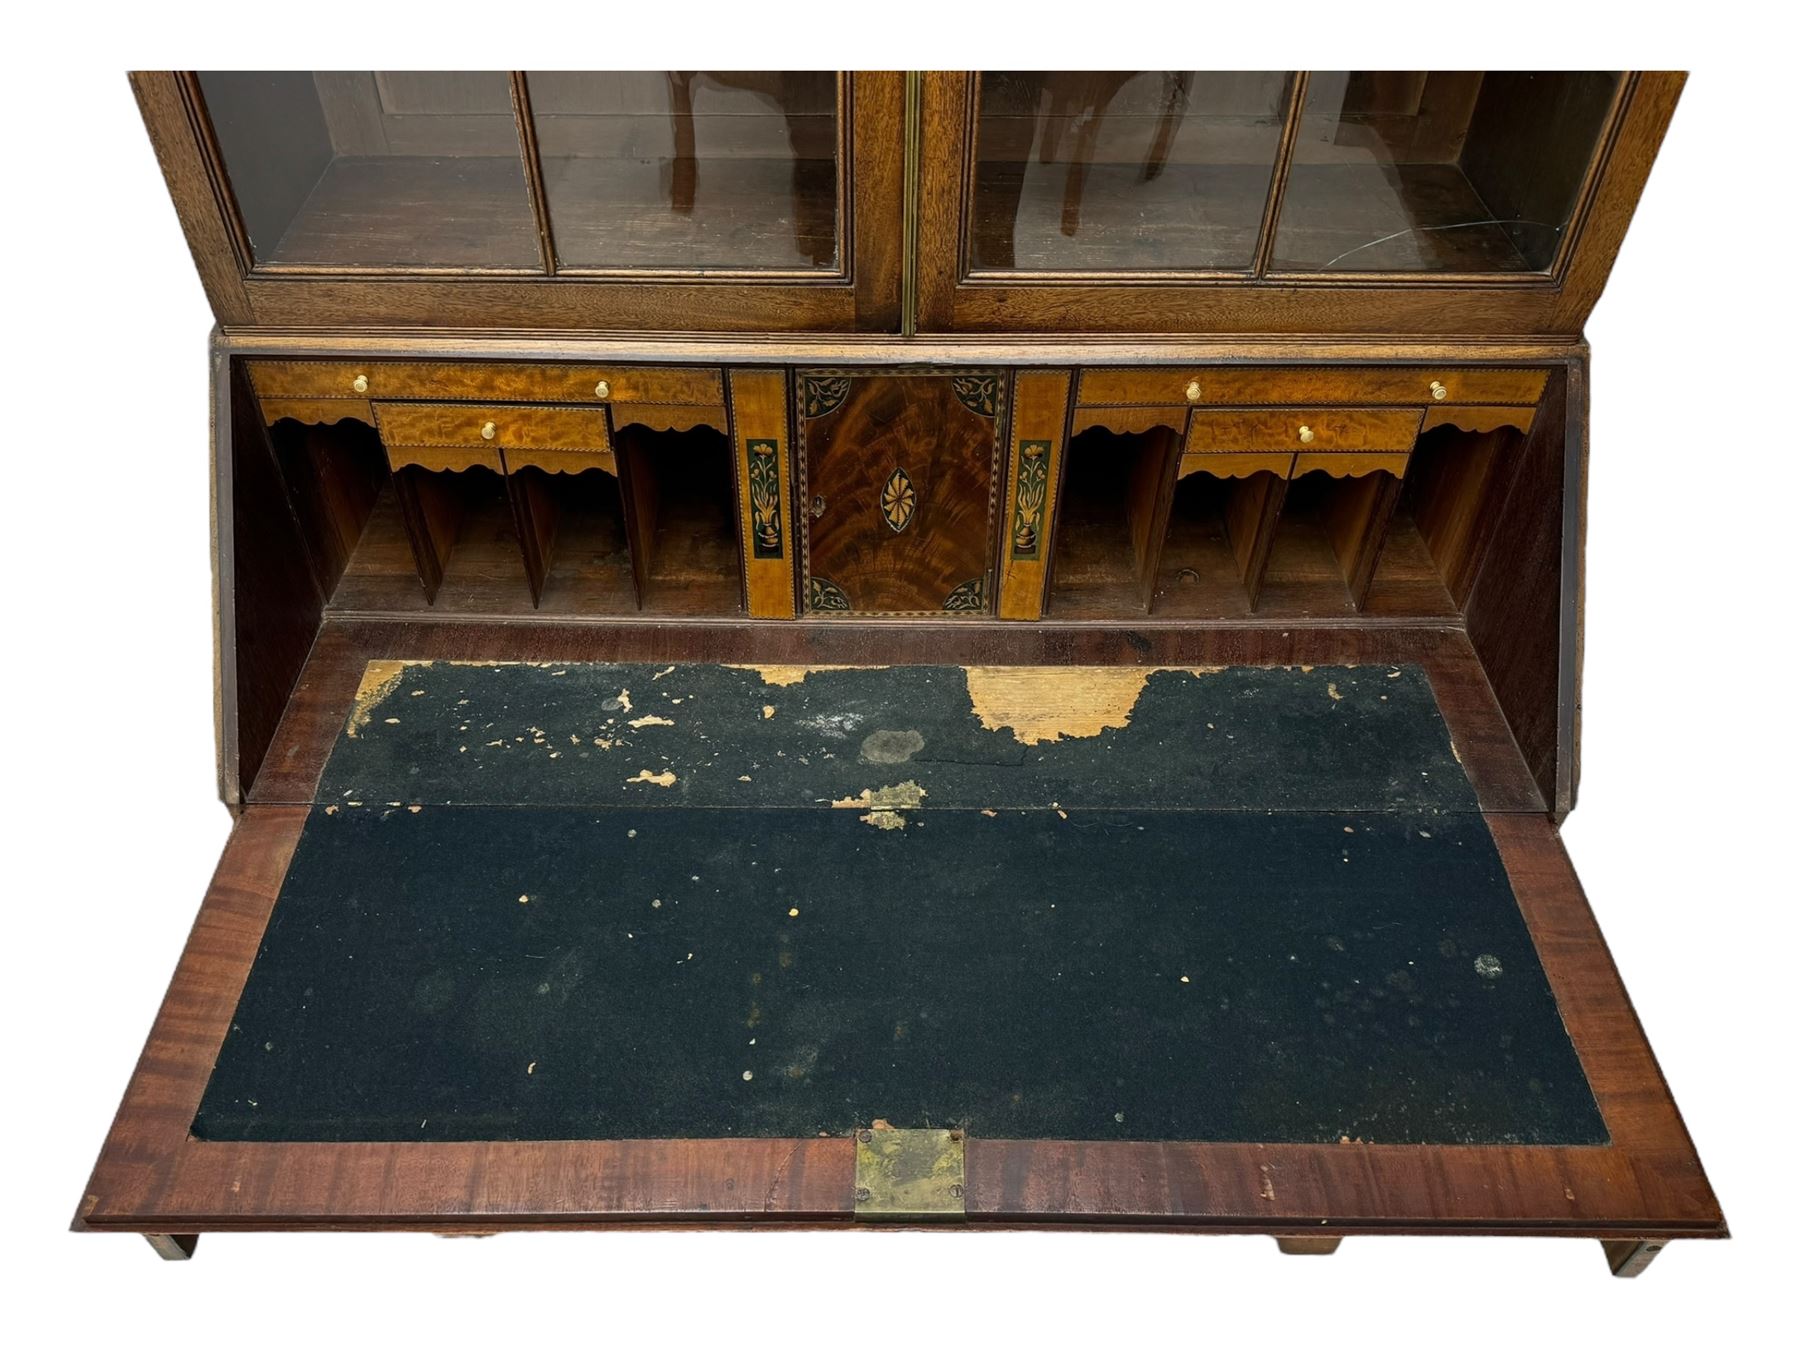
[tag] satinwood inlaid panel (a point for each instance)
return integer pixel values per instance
(898, 480)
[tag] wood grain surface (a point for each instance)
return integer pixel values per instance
(908, 559)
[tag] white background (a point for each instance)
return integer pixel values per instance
(1684, 836)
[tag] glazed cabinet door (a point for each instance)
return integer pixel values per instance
(700, 200)
(899, 473)
(1277, 201)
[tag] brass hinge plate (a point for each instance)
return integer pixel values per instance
(906, 1175)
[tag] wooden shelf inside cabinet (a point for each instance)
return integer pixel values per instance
(508, 503)
(1343, 217)
(678, 490)
(1224, 505)
(365, 213)
(1112, 521)
(433, 448)
(1291, 488)
(485, 576)
(436, 489)
(411, 211)
(640, 214)
(549, 491)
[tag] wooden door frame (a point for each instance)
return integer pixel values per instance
(864, 296)
(1556, 303)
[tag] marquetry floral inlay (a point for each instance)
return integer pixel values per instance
(978, 393)
(823, 596)
(898, 500)
(765, 498)
(1033, 475)
(968, 598)
(820, 394)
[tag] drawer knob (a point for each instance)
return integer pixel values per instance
(487, 431)
(603, 390)
(1306, 435)
(360, 384)
(1438, 390)
(1193, 391)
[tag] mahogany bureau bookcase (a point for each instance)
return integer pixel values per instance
(993, 649)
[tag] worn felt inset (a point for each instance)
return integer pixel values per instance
(1331, 738)
(1140, 960)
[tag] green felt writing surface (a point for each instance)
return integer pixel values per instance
(1067, 937)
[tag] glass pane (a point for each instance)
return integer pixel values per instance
(1439, 171)
(689, 169)
(375, 168)
(1137, 170)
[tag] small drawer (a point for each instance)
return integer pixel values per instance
(486, 381)
(295, 380)
(1240, 386)
(498, 426)
(1302, 430)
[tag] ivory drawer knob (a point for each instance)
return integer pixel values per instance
(360, 384)
(1193, 391)
(1306, 435)
(603, 390)
(1438, 390)
(487, 431)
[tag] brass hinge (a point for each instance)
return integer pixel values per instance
(904, 1175)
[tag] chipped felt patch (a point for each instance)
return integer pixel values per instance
(1327, 738)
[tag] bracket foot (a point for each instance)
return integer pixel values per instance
(1630, 1257)
(173, 1246)
(1308, 1246)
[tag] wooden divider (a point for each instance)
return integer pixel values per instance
(764, 474)
(1040, 414)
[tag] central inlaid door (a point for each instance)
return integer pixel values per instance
(900, 475)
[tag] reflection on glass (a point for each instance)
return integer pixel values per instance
(1146, 170)
(1439, 171)
(690, 169)
(375, 168)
